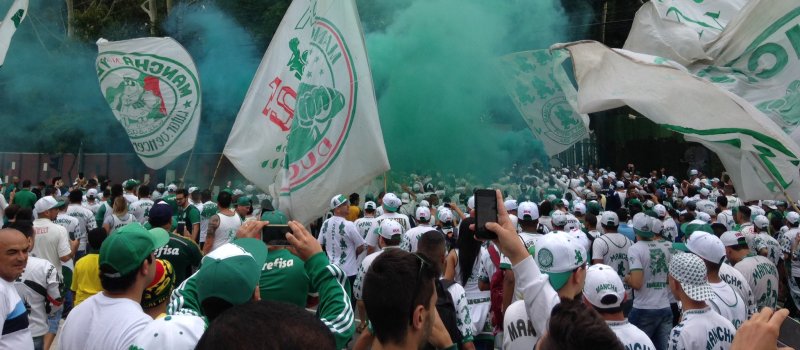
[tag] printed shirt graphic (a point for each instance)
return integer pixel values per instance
(340, 238)
(631, 336)
(86, 223)
(735, 279)
(652, 259)
(152, 87)
(13, 319)
(612, 248)
(702, 329)
(762, 276)
(284, 278)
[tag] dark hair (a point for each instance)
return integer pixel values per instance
(116, 190)
(354, 197)
(205, 195)
(12, 210)
(722, 201)
(591, 219)
(24, 226)
(622, 214)
(96, 237)
(744, 210)
(213, 307)
(122, 283)
(24, 214)
(224, 199)
(573, 326)
(742, 246)
(26, 183)
(395, 284)
(144, 191)
(75, 196)
(432, 244)
(182, 191)
(545, 207)
(468, 250)
(280, 326)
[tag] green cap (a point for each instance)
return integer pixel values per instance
(232, 271)
(695, 225)
(243, 201)
(130, 184)
(125, 249)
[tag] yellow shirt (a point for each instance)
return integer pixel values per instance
(353, 213)
(86, 278)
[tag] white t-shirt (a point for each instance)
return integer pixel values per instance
(762, 277)
(44, 274)
(786, 245)
(728, 303)
(702, 329)
(130, 197)
(736, 280)
(411, 237)
(631, 336)
(114, 222)
(365, 227)
(103, 323)
(725, 217)
(652, 258)
(226, 231)
(3, 205)
(405, 224)
(52, 242)
(773, 247)
(86, 223)
(15, 334)
(612, 248)
(141, 209)
(70, 223)
(93, 207)
(340, 239)
(459, 297)
(518, 331)
(358, 283)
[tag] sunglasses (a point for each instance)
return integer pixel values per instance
(423, 264)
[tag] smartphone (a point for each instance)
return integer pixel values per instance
(180, 228)
(789, 334)
(275, 235)
(485, 211)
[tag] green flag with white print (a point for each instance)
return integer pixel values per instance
(16, 14)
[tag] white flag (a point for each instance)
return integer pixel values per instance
(15, 15)
(760, 158)
(309, 127)
(152, 87)
(535, 81)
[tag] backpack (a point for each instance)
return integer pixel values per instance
(447, 312)
(496, 289)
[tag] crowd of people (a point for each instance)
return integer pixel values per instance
(584, 258)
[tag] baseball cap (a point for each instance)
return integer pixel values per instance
(338, 200)
(527, 211)
(704, 191)
(390, 229)
(444, 215)
(620, 184)
(232, 271)
(172, 188)
(391, 203)
(642, 225)
(130, 184)
(423, 214)
(690, 271)
(792, 217)
(175, 332)
(695, 225)
(160, 288)
(660, 210)
(770, 204)
(424, 203)
(558, 255)
(160, 214)
(703, 216)
(572, 223)
(731, 238)
(603, 287)
(609, 218)
(579, 208)
(693, 172)
(160, 186)
(46, 203)
(558, 218)
(243, 201)
(370, 205)
(404, 198)
(706, 246)
(761, 222)
(91, 193)
(471, 202)
(511, 204)
(125, 249)
(192, 189)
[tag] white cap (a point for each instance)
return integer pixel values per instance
(579, 208)
(770, 204)
(558, 218)
(390, 229)
(701, 215)
(706, 246)
(704, 191)
(46, 203)
(391, 203)
(603, 287)
(471, 202)
(557, 255)
(660, 210)
(609, 218)
(160, 186)
(510, 204)
(370, 205)
(174, 332)
(693, 172)
(192, 189)
(690, 271)
(404, 198)
(761, 222)
(572, 223)
(423, 214)
(730, 238)
(445, 215)
(338, 200)
(620, 184)
(249, 188)
(792, 217)
(527, 211)
(424, 203)
(91, 192)
(172, 188)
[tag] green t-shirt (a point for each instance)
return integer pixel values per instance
(284, 278)
(183, 254)
(189, 215)
(170, 199)
(275, 217)
(209, 209)
(25, 198)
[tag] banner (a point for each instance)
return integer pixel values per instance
(152, 87)
(759, 157)
(308, 128)
(16, 14)
(534, 79)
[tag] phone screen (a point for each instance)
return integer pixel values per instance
(485, 211)
(790, 333)
(275, 235)
(180, 228)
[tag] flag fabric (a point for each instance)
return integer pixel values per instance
(152, 87)
(16, 14)
(534, 80)
(760, 158)
(308, 128)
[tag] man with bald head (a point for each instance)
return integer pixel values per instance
(13, 315)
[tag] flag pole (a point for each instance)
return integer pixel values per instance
(211, 185)
(384, 182)
(185, 170)
(785, 194)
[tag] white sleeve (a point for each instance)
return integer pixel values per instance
(598, 249)
(3, 202)
(539, 295)
(462, 311)
(64, 248)
(352, 233)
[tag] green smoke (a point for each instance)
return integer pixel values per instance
(441, 104)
